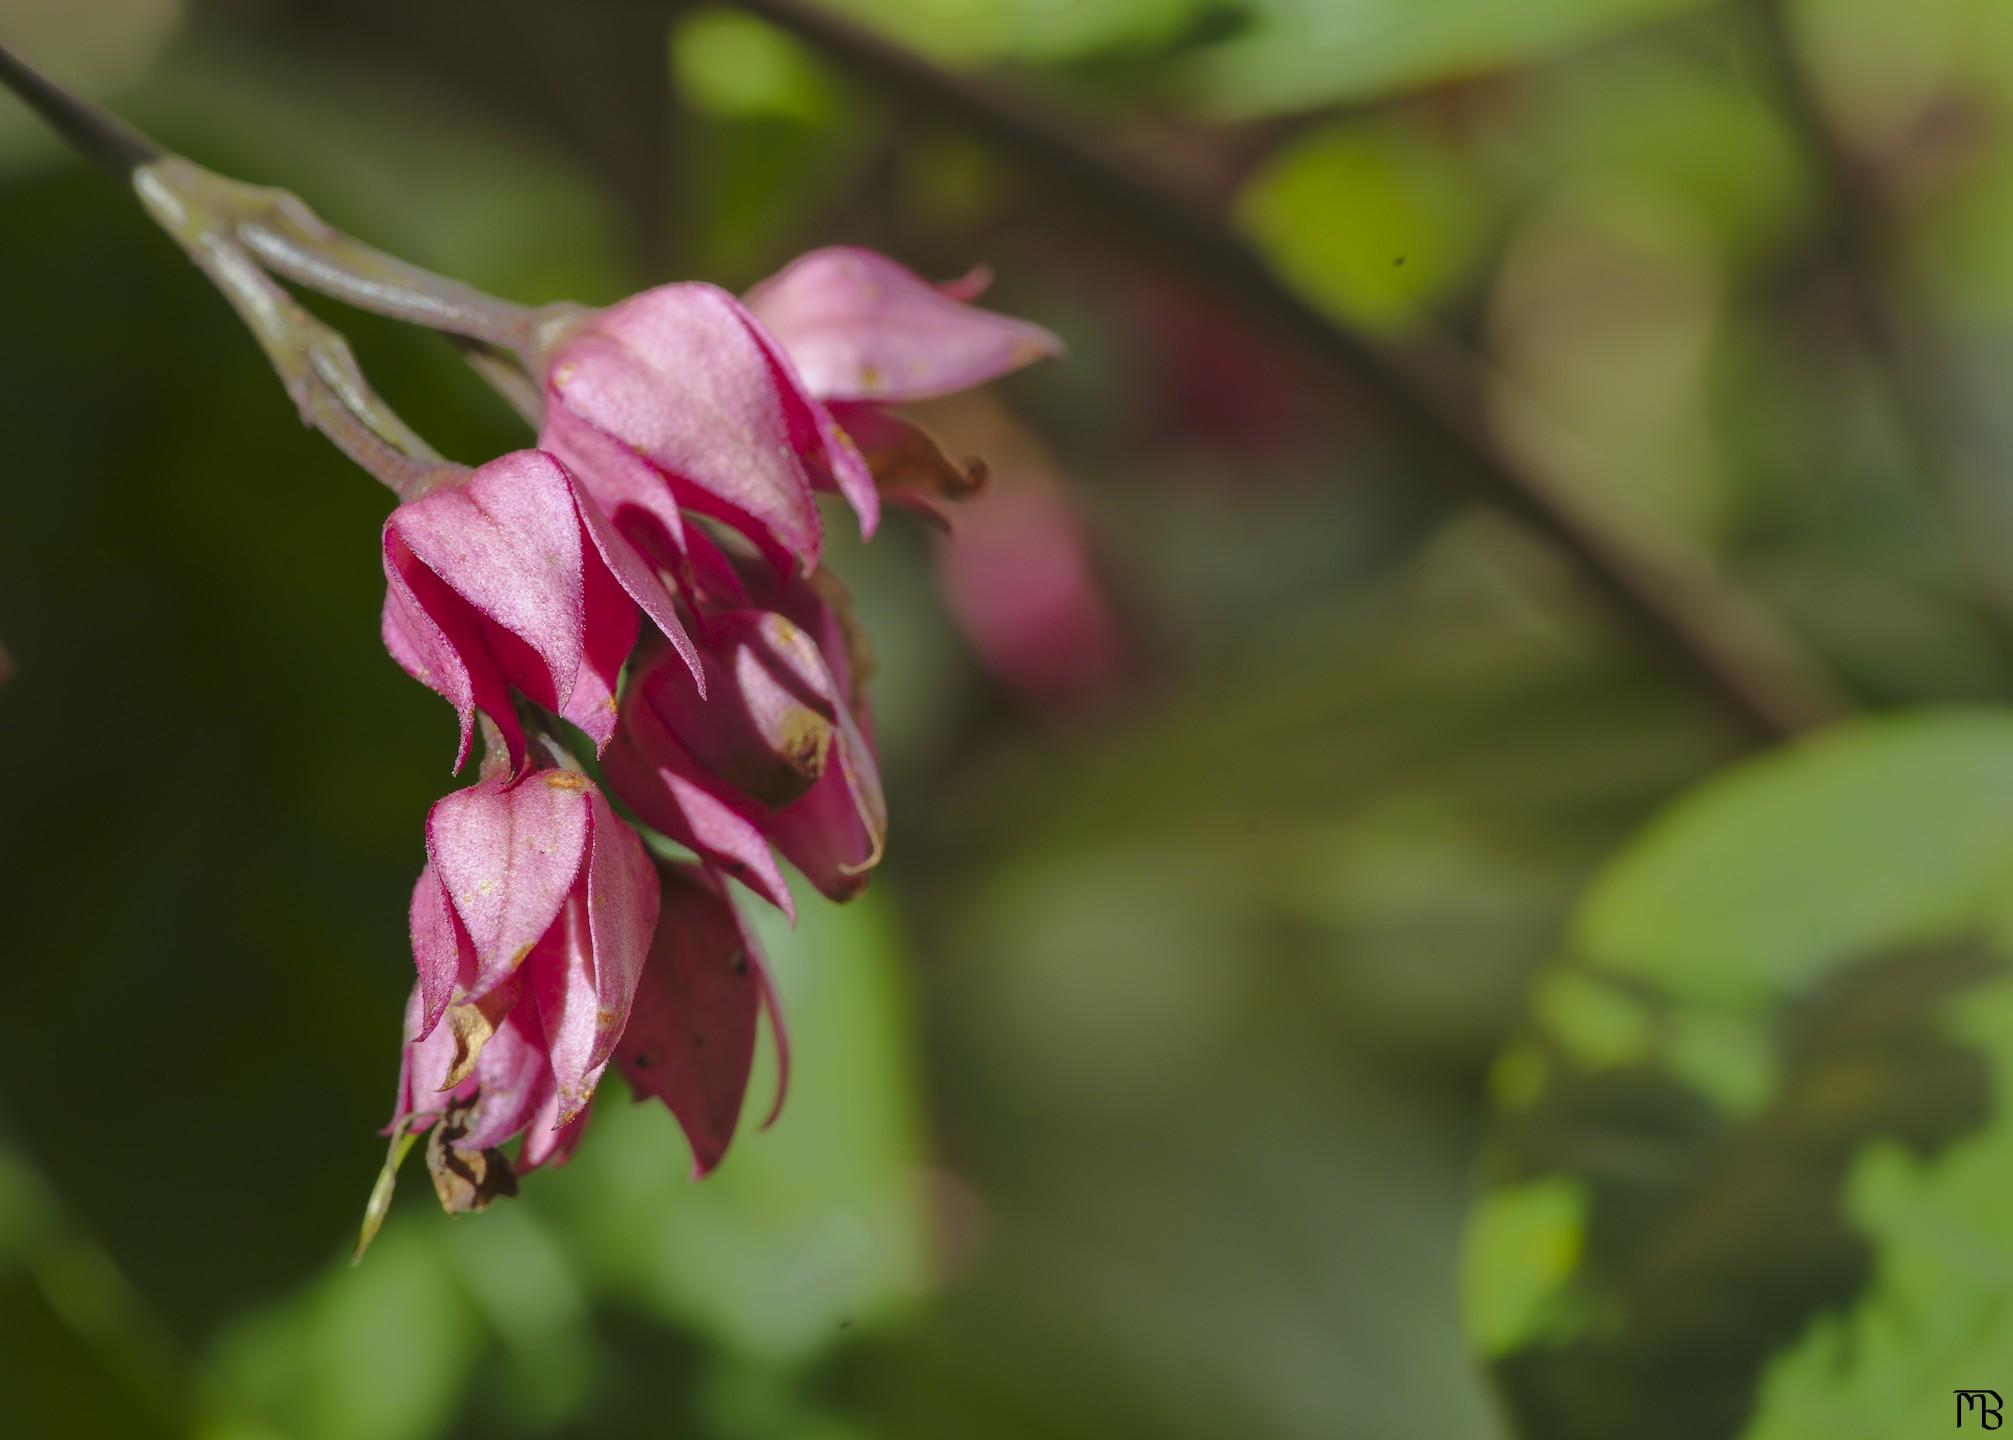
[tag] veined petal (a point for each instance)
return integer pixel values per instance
(438, 641)
(507, 541)
(678, 376)
(507, 857)
(861, 327)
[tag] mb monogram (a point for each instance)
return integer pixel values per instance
(1982, 1405)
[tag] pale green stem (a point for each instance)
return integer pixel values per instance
(314, 362)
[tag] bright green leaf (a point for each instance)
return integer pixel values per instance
(1772, 1073)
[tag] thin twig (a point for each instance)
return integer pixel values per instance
(1757, 672)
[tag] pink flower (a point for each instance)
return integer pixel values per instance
(691, 1036)
(865, 332)
(530, 925)
(778, 750)
(677, 397)
(513, 577)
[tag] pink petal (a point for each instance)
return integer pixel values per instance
(439, 642)
(648, 768)
(610, 634)
(514, 1080)
(440, 948)
(764, 723)
(636, 577)
(559, 979)
(835, 461)
(679, 377)
(861, 327)
(550, 1140)
(507, 856)
(622, 907)
(691, 1037)
(631, 491)
(507, 541)
(423, 1068)
(583, 975)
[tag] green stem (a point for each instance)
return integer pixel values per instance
(241, 235)
(314, 362)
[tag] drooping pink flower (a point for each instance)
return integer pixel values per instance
(677, 397)
(514, 578)
(691, 1036)
(530, 925)
(777, 752)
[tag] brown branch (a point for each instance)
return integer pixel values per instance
(1729, 648)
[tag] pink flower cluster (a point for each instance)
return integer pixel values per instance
(666, 531)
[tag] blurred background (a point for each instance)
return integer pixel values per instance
(1242, 768)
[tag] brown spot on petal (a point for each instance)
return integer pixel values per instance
(472, 1026)
(565, 780)
(465, 1180)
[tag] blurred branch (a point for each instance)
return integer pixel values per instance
(1923, 387)
(105, 140)
(1726, 645)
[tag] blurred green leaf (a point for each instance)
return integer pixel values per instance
(1295, 56)
(1747, 1149)
(808, 1230)
(973, 31)
(1372, 221)
(378, 1352)
(730, 64)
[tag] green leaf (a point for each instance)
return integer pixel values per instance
(1373, 222)
(1748, 1170)
(975, 31)
(1296, 56)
